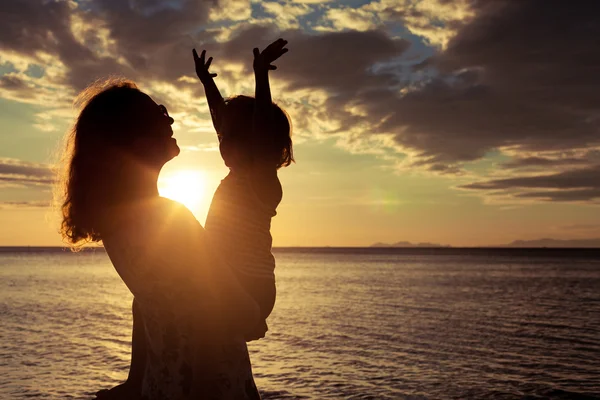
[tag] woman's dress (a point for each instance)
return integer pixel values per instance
(161, 253)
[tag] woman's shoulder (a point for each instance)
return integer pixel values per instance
(157, 232)
(151, 217)
(174, 217)
(171, 209)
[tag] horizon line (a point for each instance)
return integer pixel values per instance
(416, 247)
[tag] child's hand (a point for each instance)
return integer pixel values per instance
(262, 61)
(202, 66)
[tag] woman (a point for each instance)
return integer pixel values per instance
(193, 309)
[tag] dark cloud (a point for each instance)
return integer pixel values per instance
(543, 162)
(12, 82)
(156, 37)
(561, 159)
(340, 63)
(30, 26)
(520, 74)
(563, 195)
(336, 61)
(152, 39)
(573, 185)
(25, 173)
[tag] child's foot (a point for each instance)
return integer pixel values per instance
(124, 391)
(257, 333)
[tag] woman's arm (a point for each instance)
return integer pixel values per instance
(169, 266)
(213, 96)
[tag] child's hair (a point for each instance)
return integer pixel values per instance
(236, 136)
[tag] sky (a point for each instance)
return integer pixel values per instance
(467, 123)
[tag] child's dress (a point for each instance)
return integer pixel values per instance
(238, 225)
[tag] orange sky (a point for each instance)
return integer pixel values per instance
(413, 121)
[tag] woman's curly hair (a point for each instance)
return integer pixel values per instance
(89, 178)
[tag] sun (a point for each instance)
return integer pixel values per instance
(185, 186)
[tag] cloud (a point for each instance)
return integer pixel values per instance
(142, 39)
(581, 184)
(337, 62)
(17, 172)
(435, 21)
(286, 15)
(75, 43)
(583, 228)
(12, 82)
(511, 80)
(508, 79)
(358, 19)
(516, 78)
(542, 162)
(550, 160)
(231, 10)
(319, 71)
(24, 204)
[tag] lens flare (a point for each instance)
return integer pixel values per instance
(187, 187)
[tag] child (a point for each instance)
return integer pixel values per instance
(254, 140)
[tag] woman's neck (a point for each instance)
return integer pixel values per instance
(137, 184)
(141, 182)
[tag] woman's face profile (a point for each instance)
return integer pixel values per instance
(155, 142)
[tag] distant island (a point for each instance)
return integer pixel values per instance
(537, 243)
(569, 243)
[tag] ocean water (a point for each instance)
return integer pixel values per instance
(348, 324)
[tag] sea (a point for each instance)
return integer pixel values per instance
(349, 323)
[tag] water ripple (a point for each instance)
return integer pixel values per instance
(352, 326)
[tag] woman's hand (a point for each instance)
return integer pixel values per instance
(262, 61)
(203, 66)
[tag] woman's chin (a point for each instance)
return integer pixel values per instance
(174, 149)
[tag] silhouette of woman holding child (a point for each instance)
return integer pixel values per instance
(199, 294)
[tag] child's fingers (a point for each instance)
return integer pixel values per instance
(282, 52)
(207, 66)
(195, 53)
(272, 67)
(256, 52)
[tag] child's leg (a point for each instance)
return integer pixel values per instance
(132, 387)
(263, 291)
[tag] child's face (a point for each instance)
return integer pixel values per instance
(233, 155)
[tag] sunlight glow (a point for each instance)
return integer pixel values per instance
(186, 186)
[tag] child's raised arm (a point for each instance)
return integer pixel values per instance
(213, 96)
(263, 110)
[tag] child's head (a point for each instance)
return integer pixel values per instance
(236, 131)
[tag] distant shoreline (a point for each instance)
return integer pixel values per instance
(544, 243)
(330, 249)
